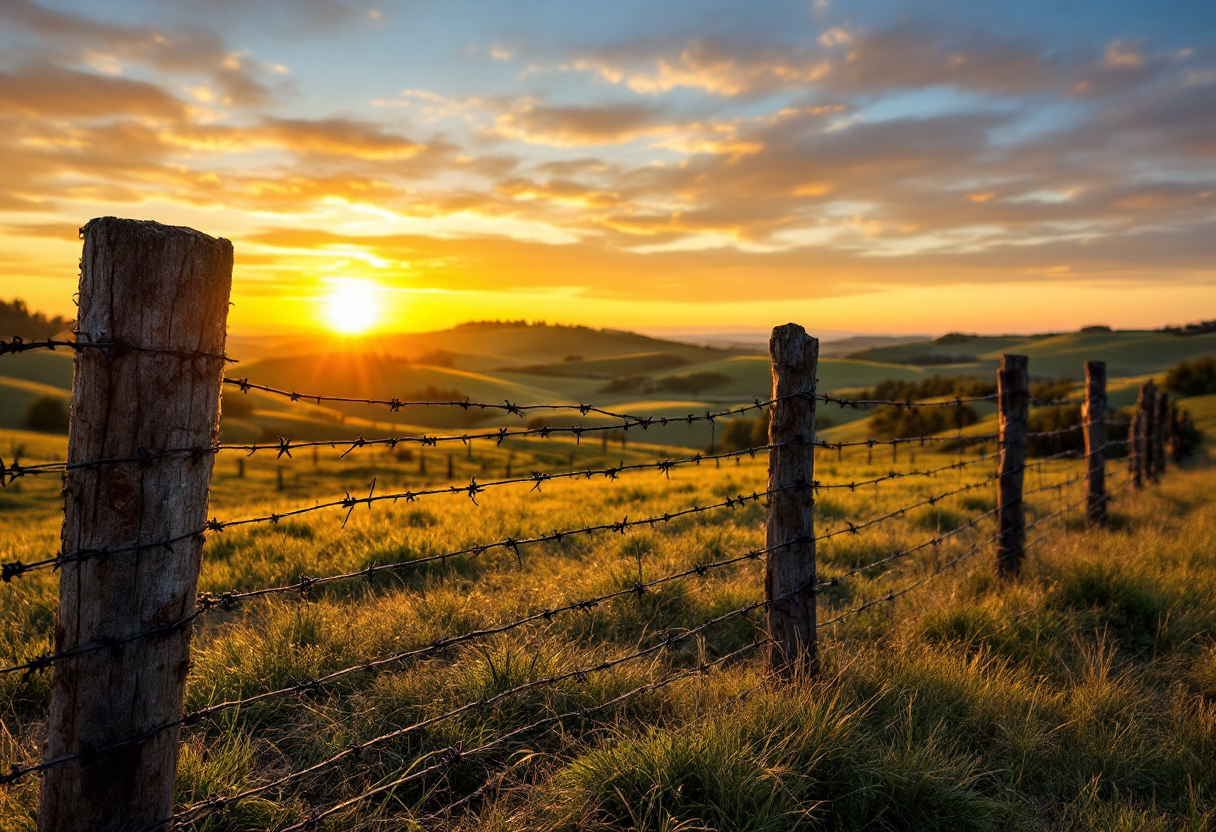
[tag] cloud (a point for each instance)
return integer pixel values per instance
(716, 67)
(569, 126)
(184, 50)
(55, 92)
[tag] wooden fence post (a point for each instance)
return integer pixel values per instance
(1175, 432)
(1093, 420)
(161, 292)
(789, 576)
(1141, 435)
(1161, 423)
(1013, 386)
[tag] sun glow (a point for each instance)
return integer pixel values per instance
(351, 308)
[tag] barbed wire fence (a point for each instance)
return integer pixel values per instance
(142, 462)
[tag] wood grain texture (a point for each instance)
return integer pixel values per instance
(1093, 420)
(145, 285)
(1013, 386)
(790, 570)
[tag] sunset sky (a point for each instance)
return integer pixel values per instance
(868, 166)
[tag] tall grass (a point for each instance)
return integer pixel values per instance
(1081, 695)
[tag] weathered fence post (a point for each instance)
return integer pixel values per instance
(1141, 435)
(1175, 432)
(161, 293)
(1093, 420)
(1161, 421)
(1013, 387)
(789, 577)
(1135, 455)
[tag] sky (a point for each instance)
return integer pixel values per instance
(875, 166)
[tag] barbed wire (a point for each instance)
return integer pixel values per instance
(891, 596)
(455, 754)
(215, 804)
(20, 345)
(316, 685)
(511, 408)
(854, 528)
(14, 569)
(9, 472)
(284, 447)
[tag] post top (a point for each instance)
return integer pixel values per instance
(149, 229)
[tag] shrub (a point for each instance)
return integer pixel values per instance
(1196, 377)
(48, 414)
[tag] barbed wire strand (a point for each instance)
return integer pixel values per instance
(214, 804)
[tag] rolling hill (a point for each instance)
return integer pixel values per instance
(623, 371)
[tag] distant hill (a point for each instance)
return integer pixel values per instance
(1056, 355)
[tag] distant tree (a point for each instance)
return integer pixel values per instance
(890, 422)
(1196, 377)
(1198, 328)
(955, 338)
(1096, 328)
(48, 414)
(17, 319)
(437, 358)
(934, 387)
(573, 358)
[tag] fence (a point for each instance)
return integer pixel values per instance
(149, 369)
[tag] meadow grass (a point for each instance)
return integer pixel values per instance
(1081, 695)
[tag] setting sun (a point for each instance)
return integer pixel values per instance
(351, 306)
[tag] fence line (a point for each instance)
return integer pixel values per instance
(207, 602)
(792, 585)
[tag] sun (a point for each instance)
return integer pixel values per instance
(352, 307)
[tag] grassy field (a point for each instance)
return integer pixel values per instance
(1080, 696)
